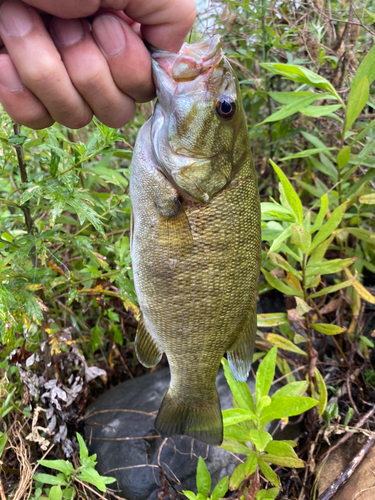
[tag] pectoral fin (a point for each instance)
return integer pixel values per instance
(240, 354)
(175, 234)
(147, 350)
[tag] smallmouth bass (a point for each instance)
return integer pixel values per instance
(196, 238)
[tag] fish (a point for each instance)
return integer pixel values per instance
(195, 235)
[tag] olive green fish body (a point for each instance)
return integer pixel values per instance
(196, 252)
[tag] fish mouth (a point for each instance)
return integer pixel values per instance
(190, 62)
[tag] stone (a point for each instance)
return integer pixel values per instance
(119, 429)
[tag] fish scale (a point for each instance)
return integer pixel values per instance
(195, 260)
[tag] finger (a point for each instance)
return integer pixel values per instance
(89, 72)
(126, 55)
(39, 64)
(20, 104)
(165, 23)
(67, 9)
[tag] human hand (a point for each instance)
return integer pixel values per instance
(87, 58)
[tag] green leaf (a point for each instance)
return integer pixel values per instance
(85, 212)
(349, 415)
(317, 111)
(306, 153)
(237, 477)
(280, 449)
(235, 432)
(366, 69)
(49, 479)
(343, 157)
(271, 319)
(368, 199)
(328, 227)
(325, 166)
(3, 442)
(327, 329)
(189, 494)
(203, 478)
(357, 99)
(280, 285)
(334, 288)
(240, 390)
(322, 390)
(319, 253)
(236, 415)
(289, 97)
(270, 494)
(277, 242)
(290, 109)
(284, 461)
(220, 489)
(291, 196)
(300, 237)
(55, 493)
(60, 465)
(260, 439)
(328, 267)
(285, 406)
(284, 264)
(283, 343)
(69, 493)
(300, 74)
(235, 447)
(251, 464)
(91, 476)
(83, 451)
(293, 389)
(274, 211)
(108, 480)
(315, 141)
(265, 373)
(269, 474)
(265, 401)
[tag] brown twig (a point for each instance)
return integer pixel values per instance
(85, 485)
(348, 435)
(345, 475)
(2, 492)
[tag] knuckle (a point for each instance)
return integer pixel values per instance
(89, 83)
(40, 75)
(78, 121)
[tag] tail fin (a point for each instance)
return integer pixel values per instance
(202, 422)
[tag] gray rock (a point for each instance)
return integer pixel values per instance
(120, 418)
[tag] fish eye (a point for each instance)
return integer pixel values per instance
(225, 107)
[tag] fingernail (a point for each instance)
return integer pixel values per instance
(67, 31)
(109, 34)
(9, 77)
(15, 18)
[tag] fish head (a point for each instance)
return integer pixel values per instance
(198, 118)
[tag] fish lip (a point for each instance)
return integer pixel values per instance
(189, 62)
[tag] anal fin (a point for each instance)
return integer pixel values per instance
(240, 354)
(147, 350)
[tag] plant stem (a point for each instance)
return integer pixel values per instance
(22, 167)
(306, 315)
